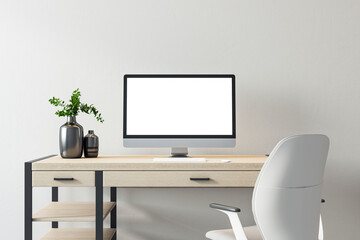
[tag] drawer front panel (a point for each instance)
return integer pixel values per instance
(180, 178)
(63, 178)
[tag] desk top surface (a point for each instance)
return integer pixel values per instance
(145, 163)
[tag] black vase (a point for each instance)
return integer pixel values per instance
(91, 145)
(71, 139)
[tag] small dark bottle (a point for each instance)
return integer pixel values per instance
(91, 145)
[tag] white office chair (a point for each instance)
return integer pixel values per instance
(287, 194)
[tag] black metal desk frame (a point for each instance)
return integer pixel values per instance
(99, 223)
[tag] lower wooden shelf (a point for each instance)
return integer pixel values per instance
(71, 212)
(76, 234)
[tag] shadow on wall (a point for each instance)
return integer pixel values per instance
(262, 120)
(266, 118)
(176, 214)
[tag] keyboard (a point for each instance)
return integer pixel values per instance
(179, 160)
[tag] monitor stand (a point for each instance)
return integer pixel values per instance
(179, 155)
(179, 152)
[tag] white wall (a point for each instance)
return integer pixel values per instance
(297, 65)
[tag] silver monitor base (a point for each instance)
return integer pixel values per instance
(179, 152)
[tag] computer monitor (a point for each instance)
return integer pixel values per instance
(179, 111)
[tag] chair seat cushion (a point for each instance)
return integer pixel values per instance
(222, 234)
(252, 233)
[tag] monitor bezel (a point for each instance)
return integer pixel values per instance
(126, 76)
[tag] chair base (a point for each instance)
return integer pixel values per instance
(252, 233)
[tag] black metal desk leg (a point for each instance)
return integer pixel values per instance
(28, 201)
(28, 230)
(113, 211)
(54, 198)
(99, 205)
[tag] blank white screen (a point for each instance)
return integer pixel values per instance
(179, 106)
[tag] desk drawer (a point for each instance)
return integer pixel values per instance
(180, 178)
(63, 178)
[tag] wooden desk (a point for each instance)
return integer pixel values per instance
(121, 171)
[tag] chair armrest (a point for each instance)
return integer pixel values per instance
(232, 213)
(224, 207)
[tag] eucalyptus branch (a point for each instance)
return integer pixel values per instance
(75, 106)
(91, 109)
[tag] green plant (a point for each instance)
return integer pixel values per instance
(75, 106)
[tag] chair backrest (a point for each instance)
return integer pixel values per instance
(287, 193)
